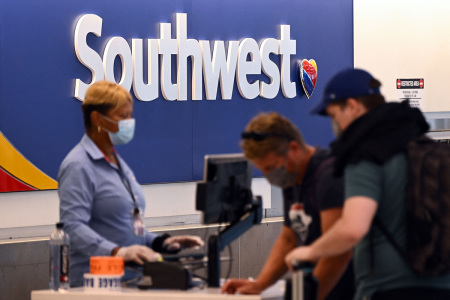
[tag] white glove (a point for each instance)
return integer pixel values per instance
(138, 254)
(175, 243)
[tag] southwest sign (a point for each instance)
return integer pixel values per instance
(220, 68)
(176, 57)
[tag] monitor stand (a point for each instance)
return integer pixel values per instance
(217, 243)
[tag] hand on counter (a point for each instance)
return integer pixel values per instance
(242, 286)
(138, 254)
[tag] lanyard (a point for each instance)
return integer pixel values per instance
(127, 185)
(138, 224)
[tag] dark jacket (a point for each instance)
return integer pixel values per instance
(378, 135)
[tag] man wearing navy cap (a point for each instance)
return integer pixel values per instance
(370, 153)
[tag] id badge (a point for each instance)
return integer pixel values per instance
(138, 223)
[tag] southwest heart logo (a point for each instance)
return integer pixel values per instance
(307, 70)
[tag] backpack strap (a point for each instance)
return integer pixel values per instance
(377, 222)
(390, 238)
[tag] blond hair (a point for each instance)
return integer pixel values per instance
(103, 96)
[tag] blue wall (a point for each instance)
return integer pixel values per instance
(38, 67)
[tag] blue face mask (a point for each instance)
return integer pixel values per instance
(125, 132)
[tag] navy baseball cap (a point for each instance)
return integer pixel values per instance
(350, 83)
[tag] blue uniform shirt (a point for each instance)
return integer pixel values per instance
(96, 207)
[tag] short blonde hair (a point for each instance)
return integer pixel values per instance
(279, 132)
(103, 96)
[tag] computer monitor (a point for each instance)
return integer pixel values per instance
(225, 194)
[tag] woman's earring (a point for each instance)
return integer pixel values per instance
(99, 129)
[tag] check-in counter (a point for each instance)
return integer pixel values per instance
(276, 292)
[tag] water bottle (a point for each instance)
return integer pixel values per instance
(59, 259)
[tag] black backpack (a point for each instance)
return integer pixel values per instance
(428, 208)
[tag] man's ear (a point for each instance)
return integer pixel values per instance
(293, 155)
(293, 147)
(351, 103)
(356, 108)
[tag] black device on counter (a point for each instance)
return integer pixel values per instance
(173, 272)
(165, 275)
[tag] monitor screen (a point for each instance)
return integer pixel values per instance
(225, 194)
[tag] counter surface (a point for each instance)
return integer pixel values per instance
(276, 292)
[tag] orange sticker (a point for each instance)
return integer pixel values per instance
(106, 265)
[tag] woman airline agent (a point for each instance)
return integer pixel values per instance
(101, 203)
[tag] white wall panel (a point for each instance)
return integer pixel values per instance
(405, 39)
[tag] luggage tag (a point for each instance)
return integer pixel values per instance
(138, 223)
